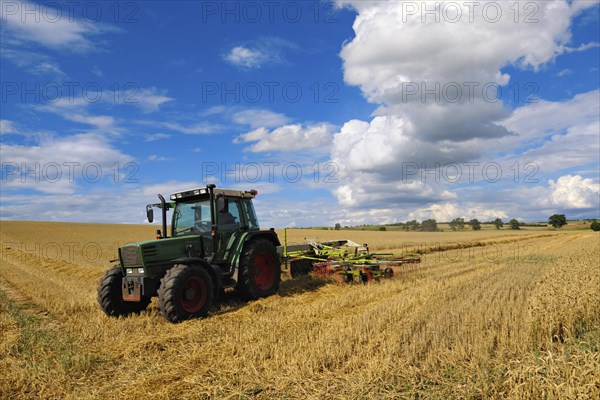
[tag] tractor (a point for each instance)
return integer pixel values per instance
(215, 243)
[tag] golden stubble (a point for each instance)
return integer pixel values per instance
(486, 315)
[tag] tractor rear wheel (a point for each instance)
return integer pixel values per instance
(110, 295)
(260, 270)
(185, 292)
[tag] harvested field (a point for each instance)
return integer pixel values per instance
(491, 314)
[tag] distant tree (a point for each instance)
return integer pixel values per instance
(595, 226)
(457, 224)
(413, 225)
(429, 225)
(382, 228)
(514, 224)
(475, 224)
(498, 223)
(557, 220)
(337, 226)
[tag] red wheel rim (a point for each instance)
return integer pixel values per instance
(264, 271)
(193, 294)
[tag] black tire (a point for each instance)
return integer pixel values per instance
(110, 296)
(348, 277)
(260, 270)
(185, 292)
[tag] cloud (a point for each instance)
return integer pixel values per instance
(89, 204)
(7, 127)
(397, 59)
(55, 164)
(246, 58)
(149, 100)
(98, 121)
(288, 138)
(564, 72)
(97, 71)
(366, 191)
(29, 22)
(427, 79)
(583, 47)
(256, 118)
(214, 110)
(79, 148)
(447, 212)
(75, 110)
(579, 5)
(257, 53)
(155, 157)
(574, 192)
(157, 136)
(538, 120)
(33, 62)
(384, 146)
(199, 128)
(555, 135)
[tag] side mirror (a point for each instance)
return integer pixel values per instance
(150, 214)
(222, 204)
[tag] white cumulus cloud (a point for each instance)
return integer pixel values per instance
(575, 192)
(288, 138)
(245, 57)
(434, 83)
(446, 212)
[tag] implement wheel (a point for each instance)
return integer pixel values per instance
(260, 270)
(300, 267)
(110, 295)
(185, 292)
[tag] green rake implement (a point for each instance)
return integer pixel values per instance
(344, 260)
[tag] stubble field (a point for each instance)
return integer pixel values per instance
(490, 314)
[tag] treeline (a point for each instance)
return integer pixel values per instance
(459, 224)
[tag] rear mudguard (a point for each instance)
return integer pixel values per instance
(250, 236)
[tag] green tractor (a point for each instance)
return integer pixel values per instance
(215, 244)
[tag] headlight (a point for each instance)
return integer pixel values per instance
(129, 271)
(140, 270)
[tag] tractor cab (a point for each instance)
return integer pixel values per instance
(220, 222)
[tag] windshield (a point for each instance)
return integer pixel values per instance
(192, 217)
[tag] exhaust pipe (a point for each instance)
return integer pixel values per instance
(213, 219)
(163, 207)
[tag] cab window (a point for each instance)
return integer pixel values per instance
(252, 221)
(231, 218)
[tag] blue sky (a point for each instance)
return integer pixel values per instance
(352, 112)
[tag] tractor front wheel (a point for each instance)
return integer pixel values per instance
(185, 292)
(260, 270)
(110, 295)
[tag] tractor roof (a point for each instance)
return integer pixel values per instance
(246, 194)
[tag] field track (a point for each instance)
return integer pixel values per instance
(503, 315)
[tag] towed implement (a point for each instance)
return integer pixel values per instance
(344, 260)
